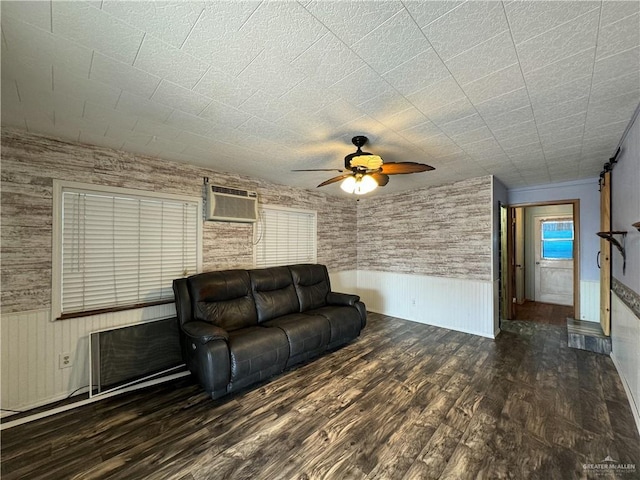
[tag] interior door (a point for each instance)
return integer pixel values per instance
(605, 254)
(554, 260)
(519, 252)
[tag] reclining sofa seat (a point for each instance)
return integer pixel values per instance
(316, 298)
(238, 327)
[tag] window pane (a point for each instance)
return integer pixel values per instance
(557, 250)
(557, 239)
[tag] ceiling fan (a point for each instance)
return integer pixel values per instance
(363, 171)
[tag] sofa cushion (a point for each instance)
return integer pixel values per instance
(308, 335)
(312, 285)
(345, 323)
(183, 302)
(223, 299)
(257, 352)
(273, 292)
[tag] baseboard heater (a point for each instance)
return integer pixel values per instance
(133, 354)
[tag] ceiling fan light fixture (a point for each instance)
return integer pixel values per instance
(366, 184)
(348, 184)
(359, 184)
(364, 172)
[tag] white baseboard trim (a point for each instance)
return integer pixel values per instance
(87, 401)
(43, 402)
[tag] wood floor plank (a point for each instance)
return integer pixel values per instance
(400, 450)
(434, 457)
(404, 400)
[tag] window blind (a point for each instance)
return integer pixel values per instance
(285, 237)
(120, 250)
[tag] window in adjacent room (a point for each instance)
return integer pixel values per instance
(285, 236)
(117, 248)
(557, 239)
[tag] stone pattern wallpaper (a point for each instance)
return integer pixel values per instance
(628, 296)
(442, 231)
(31, 162)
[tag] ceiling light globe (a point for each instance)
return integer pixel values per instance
(365, 184)
(349, 184)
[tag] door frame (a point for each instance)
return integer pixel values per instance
(575, 203)
(520, 256)
(505, 304)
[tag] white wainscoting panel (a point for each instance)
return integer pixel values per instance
(625, 338)
(590, 300)
(345, 281)
(496, 308)
(456, 304)
(31, 344)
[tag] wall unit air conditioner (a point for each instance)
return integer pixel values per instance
(231, 205)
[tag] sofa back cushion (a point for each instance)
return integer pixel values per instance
(312, 285)
(223, 299)
(273, 292)
(183, 300)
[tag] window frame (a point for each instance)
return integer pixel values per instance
(61, 186)
(259, 224)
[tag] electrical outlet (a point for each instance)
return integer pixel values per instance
(64, 360)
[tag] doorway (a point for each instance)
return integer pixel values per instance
(543, 256)
(553, 255)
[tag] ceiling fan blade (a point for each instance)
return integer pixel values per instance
(380, 178)
(319, 170)
(335, 179)
(397, 168)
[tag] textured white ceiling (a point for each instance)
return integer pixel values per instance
(531, 91)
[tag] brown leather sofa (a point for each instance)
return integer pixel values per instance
(238, 327)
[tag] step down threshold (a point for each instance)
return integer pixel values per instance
(587, 336)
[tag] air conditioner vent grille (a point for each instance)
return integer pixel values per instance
(232, 191)
(231, 205)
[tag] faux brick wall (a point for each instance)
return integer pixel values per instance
(31, 162)
(442, 231)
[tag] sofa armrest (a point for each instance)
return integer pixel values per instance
(335, 298)
(204, 332)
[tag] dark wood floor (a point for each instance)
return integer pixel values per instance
(543, 313)
(405, 400)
